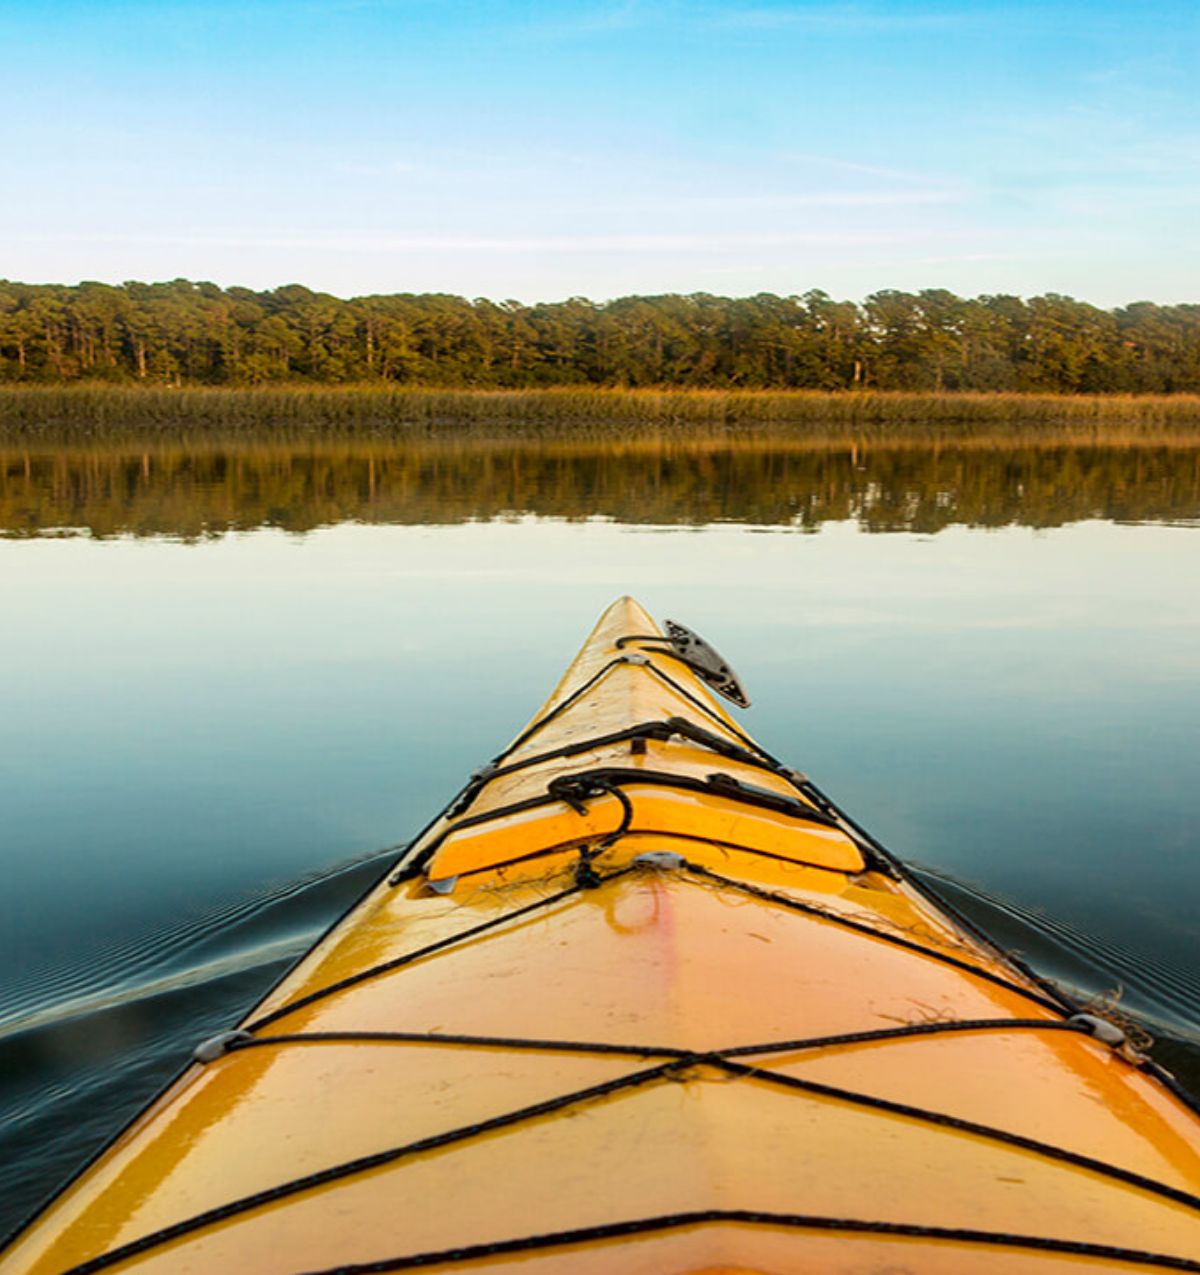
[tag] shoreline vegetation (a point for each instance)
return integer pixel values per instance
(183, 333)
(49, 414)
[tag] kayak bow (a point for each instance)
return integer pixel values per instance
(645, 1000)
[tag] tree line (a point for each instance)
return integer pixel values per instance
(189, 333)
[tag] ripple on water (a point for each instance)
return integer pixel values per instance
(79, 1064)
(79, 1061)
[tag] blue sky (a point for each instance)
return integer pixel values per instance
(541, 150)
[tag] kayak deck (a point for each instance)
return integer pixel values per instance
(644, 1000)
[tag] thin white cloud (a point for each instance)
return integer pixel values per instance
(830, 199)
(352, 243)
(386, 168)
(1060, 20)
(865, 170)
(601, 20)
(840, 18)
(350, 6)
(1055, 147)
(954, 259)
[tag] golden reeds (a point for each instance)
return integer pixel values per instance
(105, 411)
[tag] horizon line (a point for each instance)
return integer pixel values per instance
(582, 297)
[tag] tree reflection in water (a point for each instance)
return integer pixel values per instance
(201, 489)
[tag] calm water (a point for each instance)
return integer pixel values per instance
(236, 677)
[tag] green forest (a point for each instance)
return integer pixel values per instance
(185, 333)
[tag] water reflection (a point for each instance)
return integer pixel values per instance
(198, 490)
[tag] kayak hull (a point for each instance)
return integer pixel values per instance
(645, 1004)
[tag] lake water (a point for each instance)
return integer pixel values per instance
(235, 676)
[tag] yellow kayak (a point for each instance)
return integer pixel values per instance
(644, 1000)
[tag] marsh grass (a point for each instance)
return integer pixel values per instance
(110, 412)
